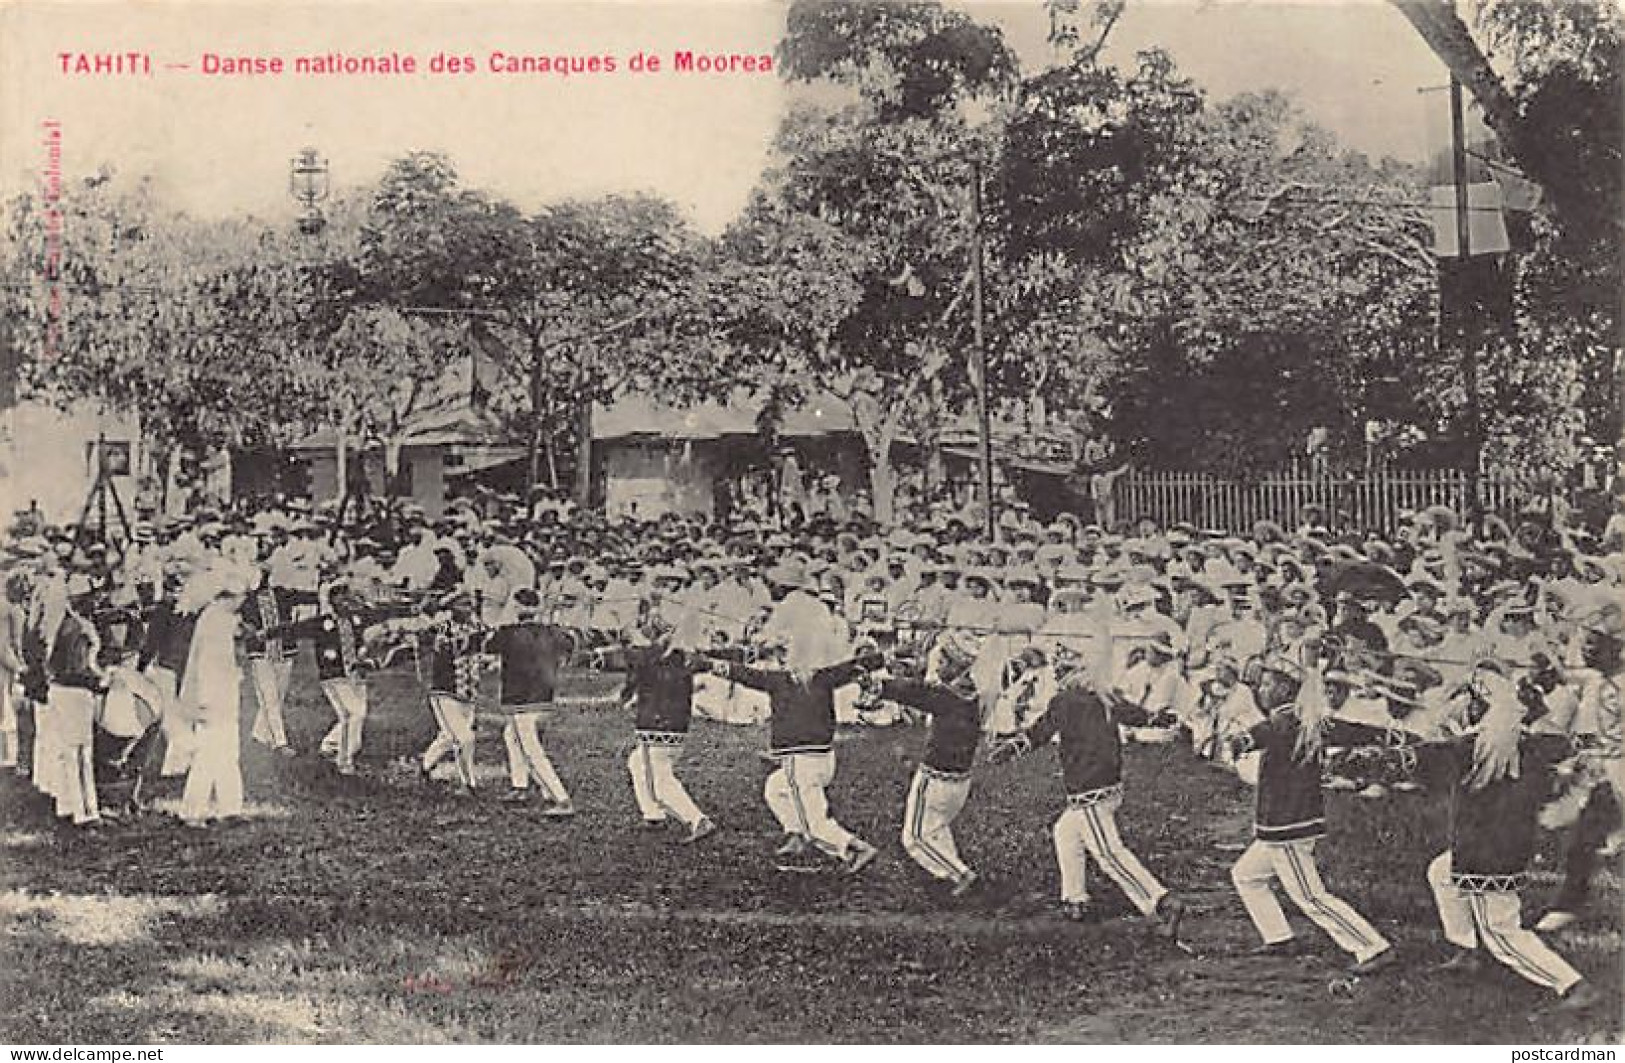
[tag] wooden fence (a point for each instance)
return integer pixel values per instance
(1372, 501)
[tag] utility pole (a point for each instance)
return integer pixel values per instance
(1463, 324)
(983, 416)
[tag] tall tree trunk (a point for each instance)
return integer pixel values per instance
(172, 475)
(533, 463)
(394, 450)
(878, 417)
(882, 482)
(882, 473)
(584, 452)
(160, 472)
(538, 423)
(341, 457)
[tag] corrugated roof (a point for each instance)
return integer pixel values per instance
(472, 431)
(638, 414)
(490, 458)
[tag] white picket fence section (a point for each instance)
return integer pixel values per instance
(1371, 501)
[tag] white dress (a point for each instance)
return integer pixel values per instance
(213, 683)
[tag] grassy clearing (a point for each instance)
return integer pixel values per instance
(378, 909)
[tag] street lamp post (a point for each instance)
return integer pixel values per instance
(309, 183)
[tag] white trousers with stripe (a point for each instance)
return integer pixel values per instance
(795, 795)
(1495, 921)
(348, 697)
(528, 761)
(455, 719)
(928, 819)
(1293, 863)
(271, 680)
(659, 792)
(1091, 830)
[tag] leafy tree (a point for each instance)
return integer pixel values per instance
(403, 267)
(586, 298)
(1221, 277)
(1554, 103)
(1548, 77)
(866, 203)
(146, 311)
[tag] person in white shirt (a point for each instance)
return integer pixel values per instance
(416, 566)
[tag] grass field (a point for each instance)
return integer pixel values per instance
(381, 909)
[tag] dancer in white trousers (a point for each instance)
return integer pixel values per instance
(1498, 776)
(337, 633)
(802, 737)
(941, 783)
(347, 697)
(1290, 816)
(1487, 912)
(531, 653)
(76, 682)
(660, 689)
(166, 648)
(1091, 769)
(270, 666)
(457, 642)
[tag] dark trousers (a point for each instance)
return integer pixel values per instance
(147, 756)
(1598, 819)
(25, 736)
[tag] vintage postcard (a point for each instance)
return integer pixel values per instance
(811, 521)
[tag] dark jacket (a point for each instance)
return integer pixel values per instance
(1289, 804)
(956, 723)
(336, 637)
(168, 641)
(122, 631)
(1091, 749)
(1493, 831)
(264, 611)
(72, 662)
(663, 683)
(803, 710)
(531, 655)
